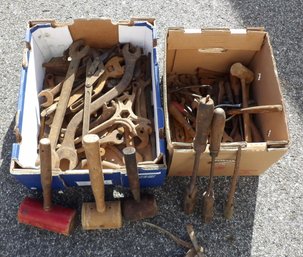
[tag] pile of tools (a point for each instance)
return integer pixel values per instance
(228, 91)
(210, 124)
(198, 105)
(105, 90)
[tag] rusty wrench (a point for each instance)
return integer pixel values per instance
(77, 51)
(94, 70)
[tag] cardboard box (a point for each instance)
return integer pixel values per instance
(217, 50)
(47, 39)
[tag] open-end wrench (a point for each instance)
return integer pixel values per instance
(94, 70)
(67, 150)
(77, 51)
(113, 69)
(107, 112)
(115, 137)
(47, 95)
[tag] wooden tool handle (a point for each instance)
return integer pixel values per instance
(246, 117)
(236, 88)
(132, 171)
(257, 109)
(203, 121)
(46, 172)
(91, 146)
(217, 130)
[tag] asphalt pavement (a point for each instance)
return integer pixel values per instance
(268, 219)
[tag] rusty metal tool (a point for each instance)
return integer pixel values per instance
(230, 203)
(101, 214)
(67, 151)
(246, 76)
(47, 95)
(77, 51)
(203, 122)
(216, 134)
(45, 215)
(176, 239)
(235, 85)
(198, 248)
(94, 70)
(142, 206)
(177, 115)
(113, 69)
(115, 137)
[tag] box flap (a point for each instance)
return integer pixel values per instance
(218, 38)
(93, 30)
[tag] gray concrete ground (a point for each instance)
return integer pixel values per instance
(269, 213)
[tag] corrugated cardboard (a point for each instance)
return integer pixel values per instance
(217, 50)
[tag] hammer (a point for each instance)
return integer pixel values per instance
(141, 206)
(246, 76)
(45, 215)
(216, 134)
(101, 214)
(203, 122)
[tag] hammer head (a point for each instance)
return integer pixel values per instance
(240, 71)
(137, 210)
(110, 218)
(58, 219)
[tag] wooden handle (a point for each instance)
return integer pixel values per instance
(236, 88)
(46, 172)
(217, 130)
(257, 109)
(203, 121)
(91, 146)
(132, 171)
(246, 118)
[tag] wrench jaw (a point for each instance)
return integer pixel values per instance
(47, 98)
(78, 49)
(130, 56)
(67, 158)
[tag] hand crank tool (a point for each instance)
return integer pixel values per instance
(203, 122)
